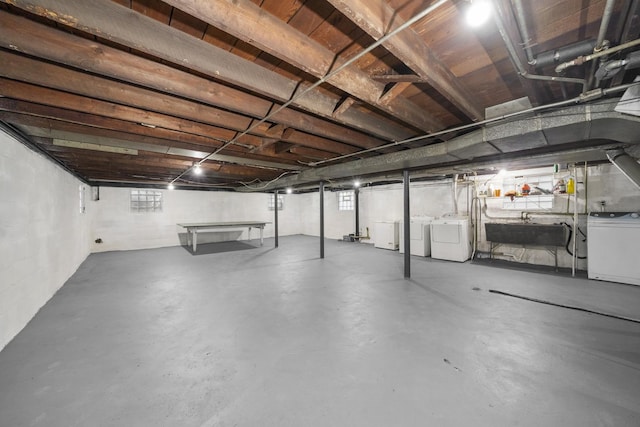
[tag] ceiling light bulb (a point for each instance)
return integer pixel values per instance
(478, 13)
(171, 186)
(197, 169)
(289, 190)
(356, 184)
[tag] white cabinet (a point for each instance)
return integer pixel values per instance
(385, 235)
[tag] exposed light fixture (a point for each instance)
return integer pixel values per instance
(356, 184)
(289, 191)
(502, 172)
(171, 186)
(147, 125)
(478, 13)
(197, 169)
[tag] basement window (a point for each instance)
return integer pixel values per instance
(346, 200)
(146, 201)
(271, 202)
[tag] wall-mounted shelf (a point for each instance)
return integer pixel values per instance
(523, 203)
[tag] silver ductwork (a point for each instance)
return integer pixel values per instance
(532, 139)
(626, 164)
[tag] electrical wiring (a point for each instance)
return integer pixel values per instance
(248, 184)
(570, 307)
(569, 239)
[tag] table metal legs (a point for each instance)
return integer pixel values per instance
(192, 237)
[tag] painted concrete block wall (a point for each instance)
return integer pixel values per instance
(434, 199)
(43, 236)
(607, 184)
(121, 229)
(336, 223)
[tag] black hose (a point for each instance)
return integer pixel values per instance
(569, 239)
(570, 307)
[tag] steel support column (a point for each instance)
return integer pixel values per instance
(275, 216)
(406, 228)
(321, 191)
(356, 193)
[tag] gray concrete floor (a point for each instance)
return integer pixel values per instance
(279, 337)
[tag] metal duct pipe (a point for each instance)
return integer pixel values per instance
(633, 60)
(564, 53)
(601, 44)
(524, 31)
(627, 165)
(609, 69)
(604, 24)
(513, 55)
(582, 59)
(593, 95)
(455, 194)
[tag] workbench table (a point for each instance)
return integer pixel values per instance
(193, 228)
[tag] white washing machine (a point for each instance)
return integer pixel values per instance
(612, 246)
(420, 234)
(450, 239)
(385, 235)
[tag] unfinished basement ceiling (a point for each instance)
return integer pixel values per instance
(137, 92)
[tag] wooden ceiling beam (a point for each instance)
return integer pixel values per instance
(312, 141)
(64, 100)
(377, 18)
(53, 128)
(123, 25)
(24, 35)
(16, 66)
(311, 153)
(28, 70)
(397, 78)
(282, 147)
(148, 161)
(94, 121)
(47, 122)
(394, 91)
(248, 22)
(343, 106)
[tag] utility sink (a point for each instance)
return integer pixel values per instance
(527, 234)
